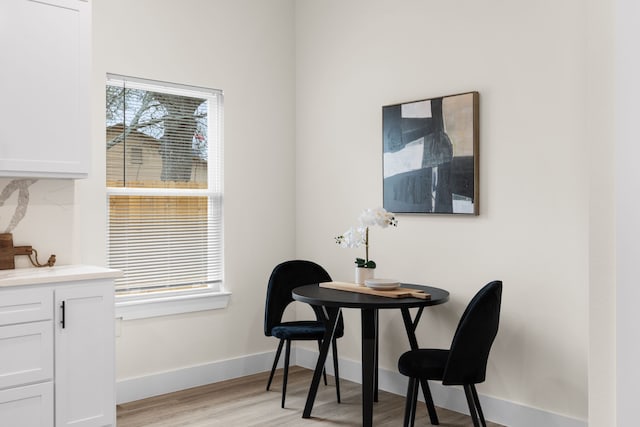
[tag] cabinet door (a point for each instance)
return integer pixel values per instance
(29, 406)
(44, 86)
(26, 353)
(25, 305)
(84, 355)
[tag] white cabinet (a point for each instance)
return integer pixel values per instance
(85, 337)
(57, 356)
(44, 80)
(28, 406)
(26, 357)
(20, 305)
(26, 353)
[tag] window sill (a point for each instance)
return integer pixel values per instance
(143, 306)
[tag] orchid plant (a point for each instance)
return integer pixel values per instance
(356, 237)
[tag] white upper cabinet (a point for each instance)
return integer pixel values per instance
(44, 95)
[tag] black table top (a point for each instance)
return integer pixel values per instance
(315, 295)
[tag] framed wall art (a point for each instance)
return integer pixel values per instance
(430, 155)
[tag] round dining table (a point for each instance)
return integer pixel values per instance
(333, 301)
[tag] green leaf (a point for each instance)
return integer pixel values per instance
(361, 262)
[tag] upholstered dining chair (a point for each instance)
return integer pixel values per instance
(465, 362)
(284, 278)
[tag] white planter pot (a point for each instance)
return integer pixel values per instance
(363, 274)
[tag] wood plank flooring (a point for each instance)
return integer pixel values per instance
(245, 402)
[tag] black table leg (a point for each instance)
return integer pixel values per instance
(377, 354)
(368, 319)
(332, 321)
(410, 325)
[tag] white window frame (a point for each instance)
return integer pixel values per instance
(164, 303)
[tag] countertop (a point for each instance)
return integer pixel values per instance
(57, 274)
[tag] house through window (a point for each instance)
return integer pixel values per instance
(164, 187)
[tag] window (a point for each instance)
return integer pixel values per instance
(164, 190)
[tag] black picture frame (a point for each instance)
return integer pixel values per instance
(430, 155)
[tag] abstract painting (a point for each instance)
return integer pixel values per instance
(430, 155)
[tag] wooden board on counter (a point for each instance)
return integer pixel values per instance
(392, 293)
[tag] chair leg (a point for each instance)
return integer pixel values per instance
(275, 363)
(335, 368)
(286, 371)
(411, 403)
(472, 406)
(476, 400)
(324, 370)
(431, 408)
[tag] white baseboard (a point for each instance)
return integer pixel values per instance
(130, 389)
(497, 410)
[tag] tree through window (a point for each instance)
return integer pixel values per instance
(163, 146)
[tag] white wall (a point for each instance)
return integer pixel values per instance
(529, 62)
(600, 138)
(627, 90)
(245, 48)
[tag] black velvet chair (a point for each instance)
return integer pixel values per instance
(284, 278)
(465, 363)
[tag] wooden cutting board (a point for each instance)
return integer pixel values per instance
(392, 293)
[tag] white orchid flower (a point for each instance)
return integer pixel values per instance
(355, 237)
(378, 216)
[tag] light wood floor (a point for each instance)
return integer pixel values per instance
(245, 402)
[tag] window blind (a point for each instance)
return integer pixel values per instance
(164, 185)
